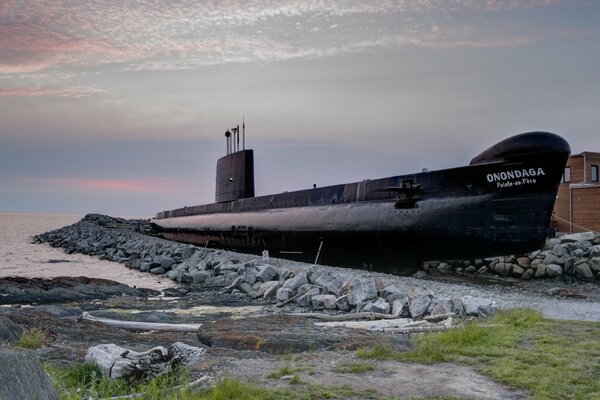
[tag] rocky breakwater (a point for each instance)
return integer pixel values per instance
(571, 257)
(292, 286)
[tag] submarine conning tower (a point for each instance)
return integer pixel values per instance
(235, 171)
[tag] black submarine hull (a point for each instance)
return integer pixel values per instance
(499, 204)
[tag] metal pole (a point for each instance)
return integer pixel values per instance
(570, 209)
(244, 133)
(238, 137)
(318, 253)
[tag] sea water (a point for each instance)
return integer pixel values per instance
(20, 257)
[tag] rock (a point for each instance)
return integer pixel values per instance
(560, 250)
(517, 270)
(485, 311)
(334, 286)
(472, 304)
(595, 264)
(305, 299)
(583, 271)
(570, 265)
(271, 287)
(540, 271)
(284, 294)
(378, 306)
(199, 277)
(267, 273)
(457, 307)
(342, 303)
(483, 270)
(390, 290)
(400, 308)
(471, 269)
(414, 292)
(294, 283)
(165, 262)
(250, 277)
(444, 268)
(439, 307)
(157, 271)
(503, 269)
(577, 237)
(418, 306)
(528, 274)
(9, 331)
(553, 270)
(322, 301)
(359, 290)
(524, 262)
(23, 377)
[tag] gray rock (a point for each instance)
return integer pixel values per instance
(379, 306)
(560, 250)
(157, 271)
(216, 281)
(528, 274)
(415, 291)
(439, 307)
(359, 290)
(333, 286)
(250, 276)
(517, 270)
(391, 290)
(342, 303)
(199, 277)
(503, 269)
(266, 273)
(444, 268)
(483, 270)
(569, 265)
(23, 377)
(9, 331)
(294, 283)
(577, 237)
(246, 288)
(234, 285)
(524, 262)
(583, 271)
(457, 307)
(400, 308)
(322, 301)
(284, 294)
(165, 262)
(540, 271)
(472, 304)
(595, 264)
(485, 311)
(553, 270)
(271, 287)
(471, 269)
(418, 307)
(305, 300)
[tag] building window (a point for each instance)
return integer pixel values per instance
(567, 175)
(594, 173)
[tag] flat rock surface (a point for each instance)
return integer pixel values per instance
(23, 377)
(286, 334)
(62, 289)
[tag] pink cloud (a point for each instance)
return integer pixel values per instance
(72, 92)
(119, 185)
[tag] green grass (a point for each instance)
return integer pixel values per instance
(354, 368)
(32, 339)
(85, 380)
(551, 359)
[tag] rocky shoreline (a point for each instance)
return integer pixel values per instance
(254, 310)
(301, 287)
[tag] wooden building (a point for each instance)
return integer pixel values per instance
(577, 206)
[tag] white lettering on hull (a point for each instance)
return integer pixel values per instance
(507, 178)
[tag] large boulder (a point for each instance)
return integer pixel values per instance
(418, 306)
(22, 377)
(553, 270)
(359, 290)
(379, 306)
(294, 283)
(583, 271)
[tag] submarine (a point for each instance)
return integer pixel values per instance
(500, 203)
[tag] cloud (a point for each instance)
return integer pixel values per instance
(72, 92)
(120, 185)
(46, 34)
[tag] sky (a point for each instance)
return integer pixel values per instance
(120, 107)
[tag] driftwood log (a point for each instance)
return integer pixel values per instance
(142, 326)
(117, 362)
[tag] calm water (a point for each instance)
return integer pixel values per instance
(19, 257)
